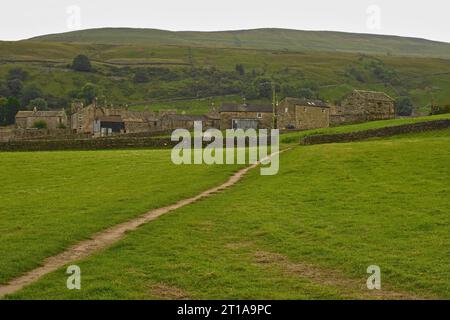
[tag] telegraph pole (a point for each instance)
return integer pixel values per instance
(274, 97)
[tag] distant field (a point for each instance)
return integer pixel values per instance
(309, 232)
(194, 106)
(52, 199)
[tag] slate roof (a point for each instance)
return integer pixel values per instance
(234, 107)
(307, 102)
(374, 95)
(41, 114)
(185, 117)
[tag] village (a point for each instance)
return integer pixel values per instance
(96, 121)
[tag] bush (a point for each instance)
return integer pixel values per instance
(141, 76)
(17, 74)
(82, 63)
(40, 124)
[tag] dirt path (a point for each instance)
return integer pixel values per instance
(109, 236)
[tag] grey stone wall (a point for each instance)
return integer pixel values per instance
(373, 133)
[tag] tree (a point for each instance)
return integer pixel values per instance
(4, 90)
(17, 73)
(403, 106)
(89, 92)
(240, 69)
(264, 87)
(29, 93)
(10, 110)
(141, 76)
(15, 87)
(38, 103)
(81, 63)
(306, 93)
(3, 103)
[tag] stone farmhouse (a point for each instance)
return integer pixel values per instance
(362, 106)
(53, 119)
(302, 114)
(244, 116)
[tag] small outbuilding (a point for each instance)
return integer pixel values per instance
(244, 116)
(302, 114)
(53, 119)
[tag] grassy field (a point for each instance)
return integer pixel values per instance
(50, 200)
(309, 232)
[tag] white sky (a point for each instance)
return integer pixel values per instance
(20, 19)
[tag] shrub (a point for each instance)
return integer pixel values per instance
(40, 124)
(141, 76)
(82, 63)
(17, 73)
(440, 109)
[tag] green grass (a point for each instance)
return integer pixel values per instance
(50, 200)
(295, 137)
(337, 207)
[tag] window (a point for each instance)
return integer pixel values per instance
(259, 115)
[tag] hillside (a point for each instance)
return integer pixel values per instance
(174, 75)
(272, 39)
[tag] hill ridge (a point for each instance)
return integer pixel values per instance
(260, 38)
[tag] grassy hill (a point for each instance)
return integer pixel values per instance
(191, 70)
(271, 39)
(194, 72)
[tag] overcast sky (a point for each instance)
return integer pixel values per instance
(21, 19)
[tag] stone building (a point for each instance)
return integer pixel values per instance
(302, 114)
(236, 116)
(53, 119)
(362, 106)
(104, 121)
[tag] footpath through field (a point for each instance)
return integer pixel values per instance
(106, 238)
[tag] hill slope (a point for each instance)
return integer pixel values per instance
(273, 39)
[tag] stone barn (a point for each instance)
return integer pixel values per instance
(302, 114)
(53, 119)
(362, 106)
(89, 120)
(236, 116)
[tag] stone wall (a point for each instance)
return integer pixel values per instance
(373, 133)
(96, 144)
